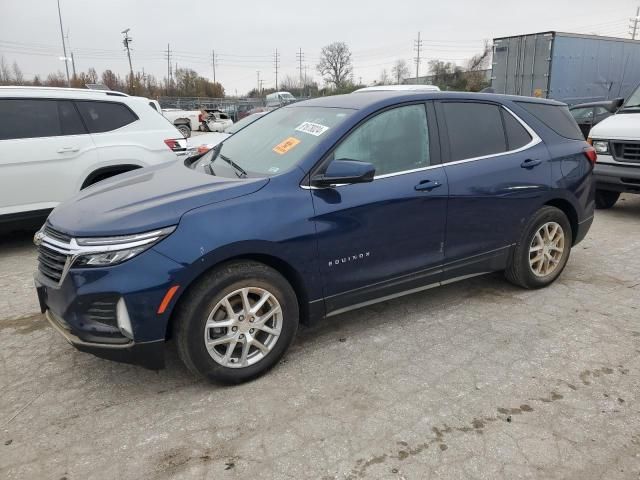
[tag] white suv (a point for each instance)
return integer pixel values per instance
(56, 141)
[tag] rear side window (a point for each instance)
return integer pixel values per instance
(105, 116)
(517, 135)
(474, 129)
(70, 121)
(556, 117)
(28, 118)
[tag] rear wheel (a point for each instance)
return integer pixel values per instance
(606, 198)
(542, 251)
(237, 322)
(185, 130)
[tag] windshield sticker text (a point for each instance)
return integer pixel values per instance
(286, 145)
(314, 129)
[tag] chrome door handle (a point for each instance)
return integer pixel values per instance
(68, 149)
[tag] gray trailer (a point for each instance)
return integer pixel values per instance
(569, 67)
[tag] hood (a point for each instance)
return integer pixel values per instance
(621, 126)
(145, 199)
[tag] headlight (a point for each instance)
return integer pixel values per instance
(103, 251)
(601, 146)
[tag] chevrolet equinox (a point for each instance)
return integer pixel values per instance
(317, 208)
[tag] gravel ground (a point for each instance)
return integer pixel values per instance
(474, 380)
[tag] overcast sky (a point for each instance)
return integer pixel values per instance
(245, 34)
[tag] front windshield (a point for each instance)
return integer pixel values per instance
(240, 124)
(275, 144)
(634, 100)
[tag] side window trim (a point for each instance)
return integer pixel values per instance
(444, 140)
(75, 108)
(434, 144)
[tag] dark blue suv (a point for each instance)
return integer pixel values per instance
(317, 208)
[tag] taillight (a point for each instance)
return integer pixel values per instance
(174, 144)
(591, 154)
(200, 118)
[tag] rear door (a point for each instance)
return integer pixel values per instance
(43, 145)
(497, 168)
(384, 237)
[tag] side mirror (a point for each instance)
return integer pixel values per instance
(344, 171)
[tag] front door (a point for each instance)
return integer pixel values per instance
(386, 237)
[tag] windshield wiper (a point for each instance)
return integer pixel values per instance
(240, 172)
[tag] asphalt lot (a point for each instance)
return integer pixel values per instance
(474, 380)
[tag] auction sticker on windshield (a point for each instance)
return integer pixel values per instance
(286, 145)
(314, 129)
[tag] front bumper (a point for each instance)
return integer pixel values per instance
(621, 178)
(87, 308)
(147, 354)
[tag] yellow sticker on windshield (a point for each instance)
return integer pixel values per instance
(286, 145)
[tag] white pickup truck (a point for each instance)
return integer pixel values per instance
(188, 120)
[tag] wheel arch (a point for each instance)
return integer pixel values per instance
(293, 276)
(109, 171)
(570, 211)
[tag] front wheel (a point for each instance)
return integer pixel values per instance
(542, 251)
(606, 199)
(236, 322)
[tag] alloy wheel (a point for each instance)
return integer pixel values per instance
(243, 327)
(546, 249)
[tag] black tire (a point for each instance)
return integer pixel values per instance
(184, 129)
(606, 199)
(193, 311)
(519, 271)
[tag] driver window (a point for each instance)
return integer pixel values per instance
(393, 141)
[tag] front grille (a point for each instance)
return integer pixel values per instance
(626, 152)
(53, 251)
(51, 263)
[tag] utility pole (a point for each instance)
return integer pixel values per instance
(635, 23)
(64, 47)
(258, 90)
(276, 64)
(73, 62)
(417, 45)
(300, 57)
(168, 68)
(73, 66)
(126, 41)
(213, 61)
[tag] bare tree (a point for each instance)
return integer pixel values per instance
(5, 72)
(17, 74)
(335, 64)
(384, 78)
(480, 61)
(476, 80)
(400, 70)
